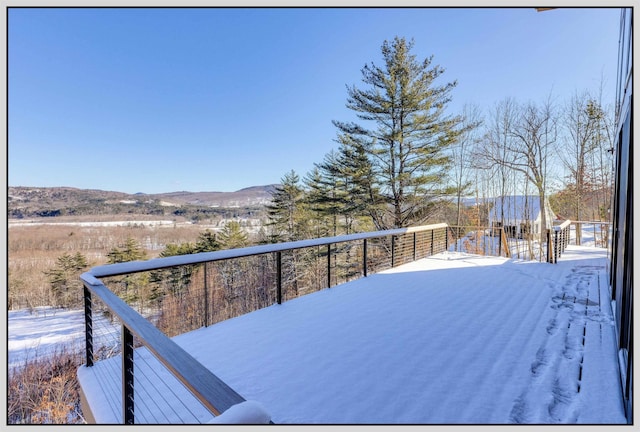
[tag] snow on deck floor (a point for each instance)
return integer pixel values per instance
(454, 338)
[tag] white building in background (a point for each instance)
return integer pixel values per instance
(519, 215)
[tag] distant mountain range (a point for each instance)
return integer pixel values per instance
(247, 197)
(25, 201)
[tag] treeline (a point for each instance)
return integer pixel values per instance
(177, 299)
(64, 276)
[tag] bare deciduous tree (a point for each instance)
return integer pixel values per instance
(461, 155)
(492, 157)
(580, 123)
(522, 139)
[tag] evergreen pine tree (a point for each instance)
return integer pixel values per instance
(327, 193)
(207, 242)
(404, 133)
(362, 198)
(286, 211)
(316, 196)
(133, 286)
(233, 236)
(289, 221)
(130, 251)
(64, 279)
(178, 278)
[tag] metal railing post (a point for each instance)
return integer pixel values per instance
(364, 261)
(456, 238)
(414, 246)
(88, 327)
(127, 376)
(393, 250)
(206, 298)
(329, 265)
(279, 277)
(432, 239)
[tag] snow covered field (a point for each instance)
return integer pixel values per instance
(454, 338)
(149, 223)
(250, 225)
(46, 330)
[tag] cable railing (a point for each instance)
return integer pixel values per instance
(173, 295)
(201, 289)
(592, 233)
(152, 301)
(557, 241)
(496, 241)
(524, 244)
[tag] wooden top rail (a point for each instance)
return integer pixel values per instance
(199, 258)
(563, 225)
(199, 380)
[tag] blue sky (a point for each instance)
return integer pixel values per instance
(217, 99)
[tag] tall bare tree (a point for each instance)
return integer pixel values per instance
(603, 156)
(580, 121)
(529, 138)
(461, 156)
(536, 135)
(493, 156)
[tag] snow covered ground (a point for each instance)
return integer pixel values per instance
(43, 331)
(451, 339)
(592, 234)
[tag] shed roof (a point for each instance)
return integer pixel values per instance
(518, 208)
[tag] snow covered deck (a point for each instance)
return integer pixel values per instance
(454, 338)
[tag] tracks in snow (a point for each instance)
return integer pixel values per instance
(554, 385)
